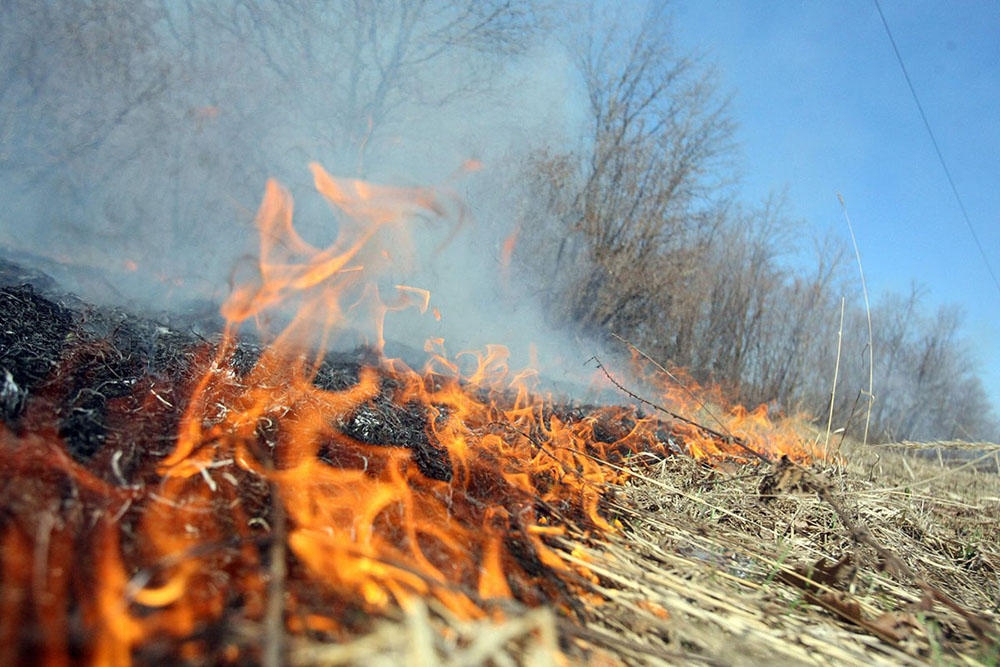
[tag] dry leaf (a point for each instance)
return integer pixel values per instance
(785, 477)
(897, 625)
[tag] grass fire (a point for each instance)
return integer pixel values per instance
(260, 496)
(487, 332)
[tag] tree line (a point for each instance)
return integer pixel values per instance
(643, 237)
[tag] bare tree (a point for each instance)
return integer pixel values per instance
(745, 278)
(627, 205)
(927, 385)
(367, 64)
(55, 64)
(634, 233)
(794, 350)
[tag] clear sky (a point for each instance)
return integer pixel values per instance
(823, 108)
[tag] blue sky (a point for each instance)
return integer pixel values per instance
(823, 108)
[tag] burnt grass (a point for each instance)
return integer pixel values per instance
(109, 389)
(80, 359)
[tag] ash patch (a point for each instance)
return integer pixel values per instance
(382, 421)
(67, 364)
(33, 333)
(385, 423)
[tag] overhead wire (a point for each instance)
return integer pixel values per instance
(937, 149)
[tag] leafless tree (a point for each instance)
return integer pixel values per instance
(130, 129)
(794, 354)
(629, 203)
(368, 64)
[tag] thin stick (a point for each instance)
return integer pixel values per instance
(725, 437)
(677, 381)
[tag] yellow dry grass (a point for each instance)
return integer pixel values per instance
(707, 569)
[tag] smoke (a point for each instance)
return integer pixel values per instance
(137, 140)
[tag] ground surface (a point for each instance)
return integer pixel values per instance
(879, 555)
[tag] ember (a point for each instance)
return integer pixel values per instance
(171, 498)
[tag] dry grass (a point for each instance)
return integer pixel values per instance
(707, 569)
(720, 559)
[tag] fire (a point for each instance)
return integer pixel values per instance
(710, 426)
(375, 485)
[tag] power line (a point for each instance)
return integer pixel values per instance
(937, 149)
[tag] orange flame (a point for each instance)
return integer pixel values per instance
(374, 527)
(453, 483)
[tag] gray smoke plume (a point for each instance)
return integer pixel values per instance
(136, 140)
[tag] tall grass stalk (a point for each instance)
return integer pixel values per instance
(836, 373)
(868, 312)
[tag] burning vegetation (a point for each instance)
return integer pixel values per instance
(258, 497)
